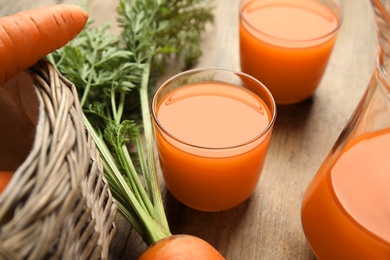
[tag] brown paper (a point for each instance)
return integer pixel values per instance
(19, 111)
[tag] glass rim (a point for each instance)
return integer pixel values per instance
(208, 69)
(339, 23)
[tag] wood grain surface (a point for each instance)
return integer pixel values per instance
(268, 224)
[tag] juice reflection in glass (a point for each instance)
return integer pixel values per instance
(286, 44)
(213, 128)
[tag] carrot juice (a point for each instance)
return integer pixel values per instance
(287, 44)
(346, 209)
(5, 177)
(212, 139)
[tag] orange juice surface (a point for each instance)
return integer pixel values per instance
(286, 45)
(346, 209)
(215, 158)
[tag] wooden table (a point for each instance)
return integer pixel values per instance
(268, 225)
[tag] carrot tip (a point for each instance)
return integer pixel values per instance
(36, 28)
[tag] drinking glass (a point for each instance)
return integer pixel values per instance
(212, 127)
(286, 44)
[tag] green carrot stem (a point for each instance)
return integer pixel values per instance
(149, 144)
(153, 230)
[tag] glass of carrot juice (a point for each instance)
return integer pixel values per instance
(286, 44)
(213, 128)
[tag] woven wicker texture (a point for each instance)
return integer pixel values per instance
(57, 205)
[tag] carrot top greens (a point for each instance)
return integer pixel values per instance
(114, 75)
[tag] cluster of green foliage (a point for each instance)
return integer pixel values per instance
(114, 75)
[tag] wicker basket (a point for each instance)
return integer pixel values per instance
(57, 205)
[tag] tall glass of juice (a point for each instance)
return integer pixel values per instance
(213, 128)
(286, 44)
(346, 207)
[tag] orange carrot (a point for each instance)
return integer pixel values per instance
(28, 36)
(185, 247)
(5, 177)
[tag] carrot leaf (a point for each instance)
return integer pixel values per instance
(115, 75)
